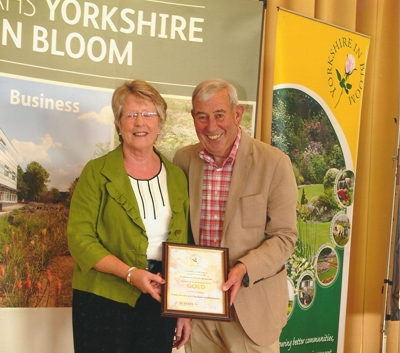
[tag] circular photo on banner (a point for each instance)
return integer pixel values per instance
(327, 265)
(344, 187)
(291, 297)
(306, 290)
(340, 229)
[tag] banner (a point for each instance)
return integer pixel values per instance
(59, 65)
(318, 89)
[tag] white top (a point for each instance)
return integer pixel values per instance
(155, 210)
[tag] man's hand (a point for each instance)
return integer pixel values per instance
(235, 277)
(183, 329)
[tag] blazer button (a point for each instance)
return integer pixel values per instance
(177, 232)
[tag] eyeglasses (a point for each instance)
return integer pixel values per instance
(144, 114)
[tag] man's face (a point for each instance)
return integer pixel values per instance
(217, 124)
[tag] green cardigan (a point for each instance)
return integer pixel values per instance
(105, 219)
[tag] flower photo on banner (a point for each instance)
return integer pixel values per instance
(349, 68)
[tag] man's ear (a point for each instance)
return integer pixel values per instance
(239, 114)
(192, 112)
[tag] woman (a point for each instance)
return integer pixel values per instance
(124, 206)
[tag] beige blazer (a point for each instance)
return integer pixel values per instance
(259, 229)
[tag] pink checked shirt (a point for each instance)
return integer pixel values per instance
(216, 181)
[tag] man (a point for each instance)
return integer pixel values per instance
(243, 196)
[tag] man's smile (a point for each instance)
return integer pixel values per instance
(214, 137)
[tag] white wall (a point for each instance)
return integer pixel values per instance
(36, 330)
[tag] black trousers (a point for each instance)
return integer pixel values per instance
(103, 325)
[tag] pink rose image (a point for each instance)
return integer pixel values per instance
(349, 68)
(350, 64)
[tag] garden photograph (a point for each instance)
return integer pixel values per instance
(327, 265)
(302, 129)
(345, 187)
(341, 229)
(35, 264)
(306, 291)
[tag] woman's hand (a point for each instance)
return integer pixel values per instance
(157, 285)
(147, 282)
(183, 329)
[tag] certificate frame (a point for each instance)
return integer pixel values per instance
(194, 275)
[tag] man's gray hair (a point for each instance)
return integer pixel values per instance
(207, 89)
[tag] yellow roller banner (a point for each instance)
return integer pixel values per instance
(318, 89)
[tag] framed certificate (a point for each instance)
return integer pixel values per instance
(194, 276)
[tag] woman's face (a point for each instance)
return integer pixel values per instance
(139, 132)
